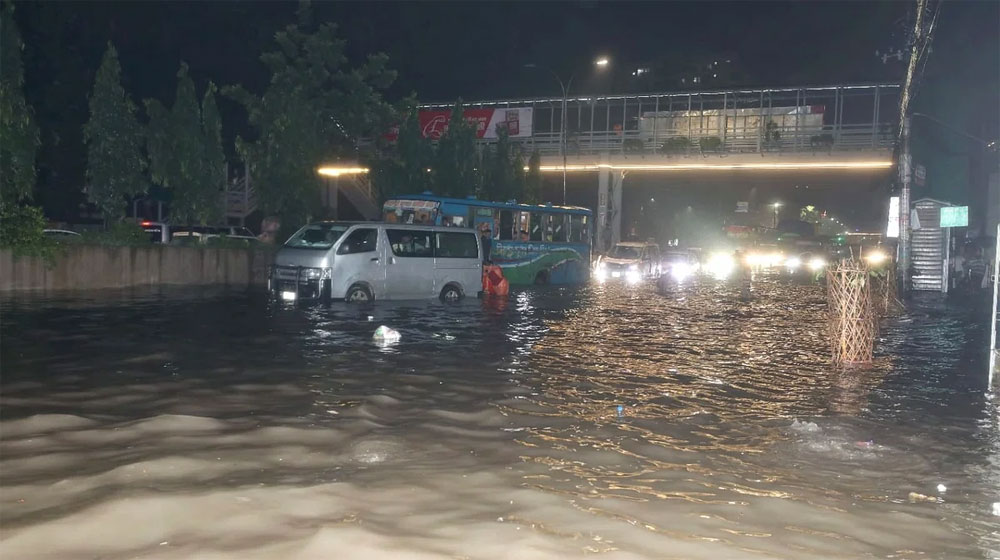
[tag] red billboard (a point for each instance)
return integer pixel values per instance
(486, 122)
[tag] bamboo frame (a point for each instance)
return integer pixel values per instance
(853, 320)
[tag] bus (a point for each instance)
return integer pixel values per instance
(532, 244)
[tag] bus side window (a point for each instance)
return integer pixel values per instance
(559, 229)
(523, 226)
(584, 229)
(537, 225)
(506, 225)
(575, 229)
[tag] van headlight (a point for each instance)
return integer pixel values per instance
(633, 268)
(315, 273)
(816, 264)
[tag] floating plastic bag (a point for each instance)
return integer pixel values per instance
(386, 335)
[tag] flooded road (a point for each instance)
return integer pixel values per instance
(618, 423)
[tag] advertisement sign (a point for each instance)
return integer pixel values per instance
(954, 216)
(486, 122)
(743, 207)
(892, 230)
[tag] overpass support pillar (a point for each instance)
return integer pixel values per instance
(609, 203)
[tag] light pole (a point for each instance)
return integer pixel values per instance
(564, 86)
(776, 205)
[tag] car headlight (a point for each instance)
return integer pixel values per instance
(681, 270)
(633, 268)
(633, 275)
(793, 263)
(720, 265)
(314, 273)
(816, 264)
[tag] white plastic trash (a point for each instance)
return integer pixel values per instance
(386, 335)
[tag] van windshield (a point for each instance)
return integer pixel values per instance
(317, 236)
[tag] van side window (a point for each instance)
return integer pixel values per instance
(410, 243)
(361, 240)
(456, 246)
(506, 225)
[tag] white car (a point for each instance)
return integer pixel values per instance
(631, 261)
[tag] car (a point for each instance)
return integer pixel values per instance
(206, 235)
(632, 261)
(681, 264)
(60, 233)
(805, 263)
(368, 261)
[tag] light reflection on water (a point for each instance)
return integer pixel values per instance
(686, 424)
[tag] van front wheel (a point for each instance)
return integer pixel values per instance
(451, 294)
(358, 294)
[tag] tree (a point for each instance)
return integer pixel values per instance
(185, 151)
(533, 180)
(502, 176)
(18, 132)
(406, 169)
(115, 163)
(456, 159)
(315, 110)
(214, 175)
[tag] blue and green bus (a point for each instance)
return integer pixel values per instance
(533, 244)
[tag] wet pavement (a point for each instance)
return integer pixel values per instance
(623, 423)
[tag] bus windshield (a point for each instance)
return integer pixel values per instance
(317, 236)
(625, 252)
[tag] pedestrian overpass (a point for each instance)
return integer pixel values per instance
(835, 129)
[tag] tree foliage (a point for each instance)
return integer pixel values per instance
(456, 160)
(115, 162)
(533, 180)
(315, 110)
(503, 176)
(457, 165)
(18, 132)
(185, 151)
(407, 169)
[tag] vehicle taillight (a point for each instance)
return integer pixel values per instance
(145, 223)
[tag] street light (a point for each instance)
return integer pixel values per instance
(602, 62)
(776, 205)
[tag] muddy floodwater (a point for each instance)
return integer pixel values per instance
(599, 421)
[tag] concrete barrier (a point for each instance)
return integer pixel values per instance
(92, 267)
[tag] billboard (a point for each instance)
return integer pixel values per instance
(486, 122)
(892, 230)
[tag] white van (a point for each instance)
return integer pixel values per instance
(371, 261)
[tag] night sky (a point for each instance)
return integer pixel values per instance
(477, 50)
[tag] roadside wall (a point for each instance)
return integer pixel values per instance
(91, 267)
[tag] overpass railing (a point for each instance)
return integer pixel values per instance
(831, 118)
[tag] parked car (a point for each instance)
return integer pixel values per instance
(60, 233)
(159, 232)
(631, 261)
(367, 261)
